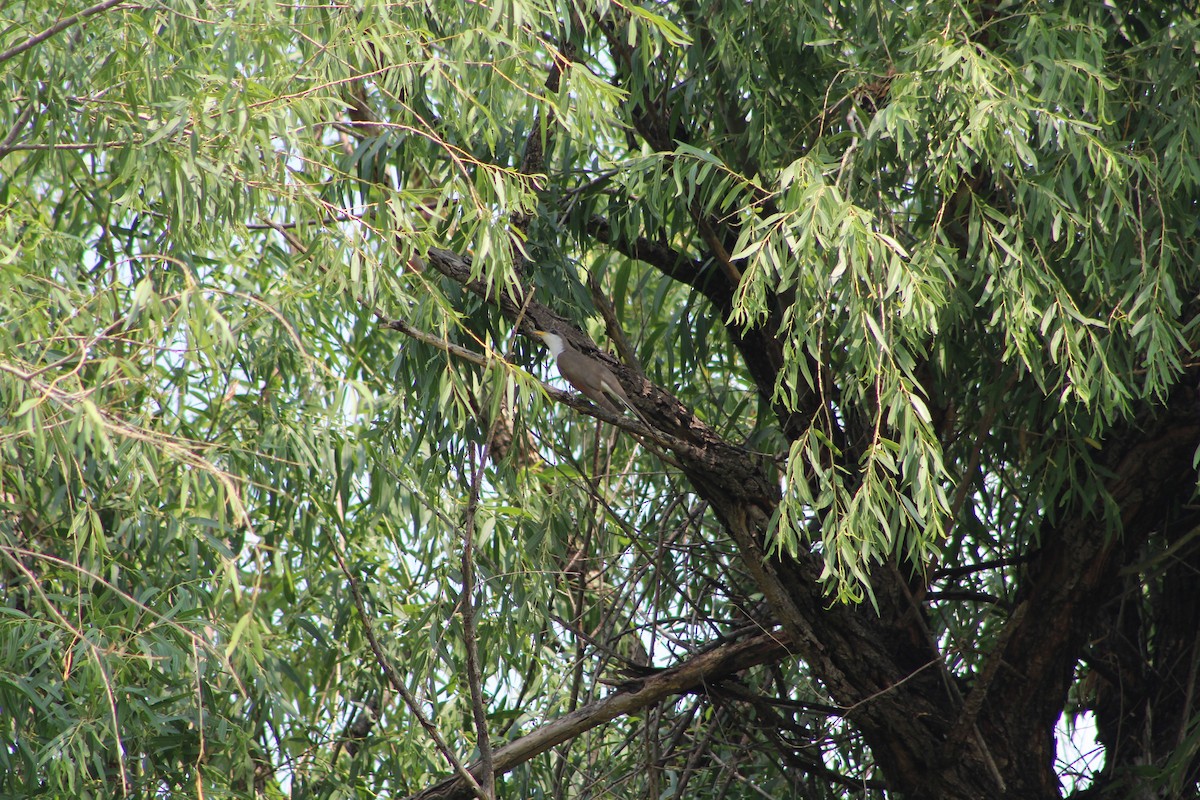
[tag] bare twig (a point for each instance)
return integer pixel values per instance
(428, 338)
(471, 637)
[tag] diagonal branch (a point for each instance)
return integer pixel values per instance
(56, 28)
(676, 426)
(470, 784)
(22, 119)
(667, 260)
(706, 669)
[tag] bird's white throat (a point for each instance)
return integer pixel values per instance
(554, 342)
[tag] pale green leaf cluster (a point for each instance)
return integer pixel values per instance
(1067, 271)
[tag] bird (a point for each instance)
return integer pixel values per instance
(587, 374)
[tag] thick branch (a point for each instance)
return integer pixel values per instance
(692, 440)
(693, 675)
(667, 260)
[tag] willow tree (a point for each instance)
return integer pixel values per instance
(291, 503)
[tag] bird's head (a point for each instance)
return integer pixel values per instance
(552, 340)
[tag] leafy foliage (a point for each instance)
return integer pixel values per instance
(285, 505)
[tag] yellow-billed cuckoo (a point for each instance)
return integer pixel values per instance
(587, 374)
